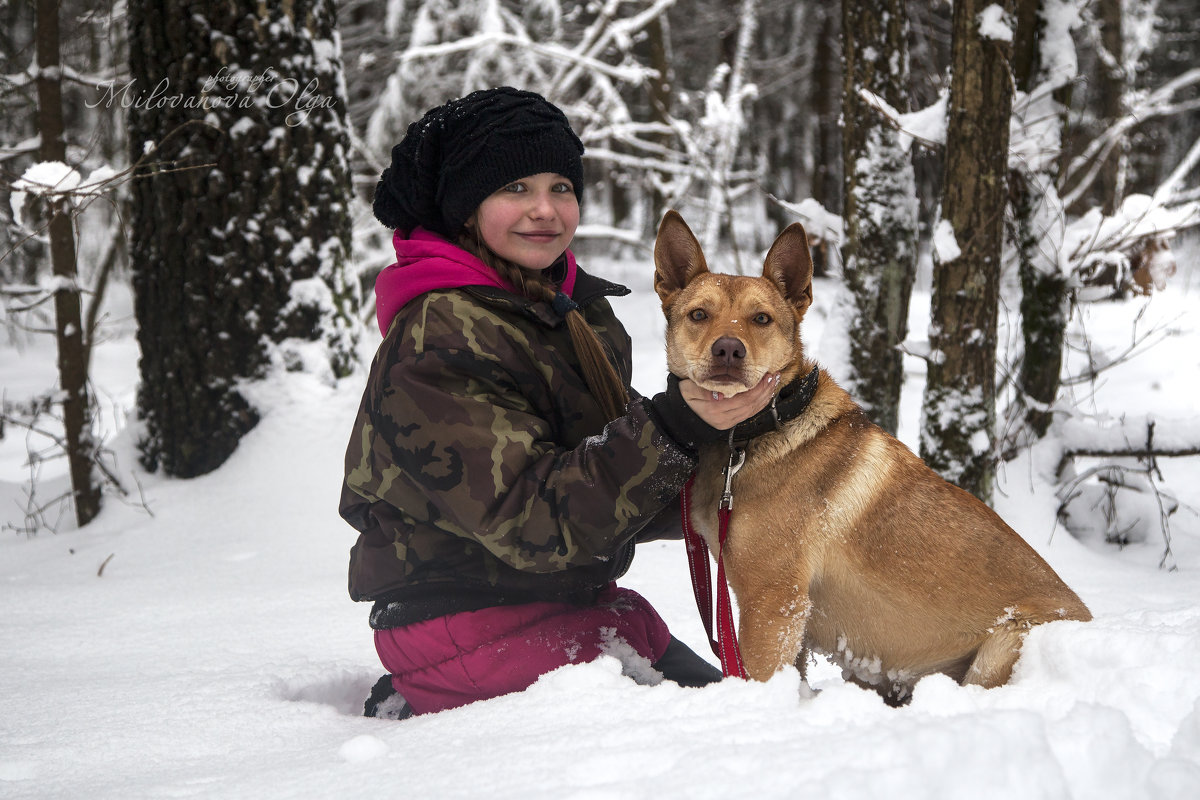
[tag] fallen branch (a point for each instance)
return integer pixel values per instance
(1112, 476)
(1126, 452)
(1127, 440)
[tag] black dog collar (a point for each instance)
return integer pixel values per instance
(790, 402)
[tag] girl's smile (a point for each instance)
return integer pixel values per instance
(530, 222)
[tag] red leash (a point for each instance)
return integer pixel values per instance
(725, 646)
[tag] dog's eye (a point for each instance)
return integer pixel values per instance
(698, 315)
(762, 319)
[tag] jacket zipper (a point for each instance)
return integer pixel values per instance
(627, 559)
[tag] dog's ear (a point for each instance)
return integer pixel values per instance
(677, 257)
(789, 266)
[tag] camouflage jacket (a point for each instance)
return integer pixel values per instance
(480, 471)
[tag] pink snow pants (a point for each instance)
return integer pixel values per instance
(474, 655)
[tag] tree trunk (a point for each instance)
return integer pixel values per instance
(72, 358)
(783, 138)
(1044, 313)
(1044, 309)
(240, 223)
(959, 406)
(661, 92)
(1112, 85)
(827, 73)
(1165, 141)
(879, 210)
(21, 253)
(718, 215)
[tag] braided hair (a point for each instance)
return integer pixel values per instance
(601, 376)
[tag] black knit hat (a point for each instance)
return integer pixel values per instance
(459, 153)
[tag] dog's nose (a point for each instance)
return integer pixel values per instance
(728, 349)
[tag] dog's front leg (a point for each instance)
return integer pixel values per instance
(771, 628)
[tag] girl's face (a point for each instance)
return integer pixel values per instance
(529, 222)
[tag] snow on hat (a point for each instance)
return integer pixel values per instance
(454, 157)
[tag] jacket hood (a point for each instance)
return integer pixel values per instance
(426, 261)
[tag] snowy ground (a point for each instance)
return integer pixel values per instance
(208, 648)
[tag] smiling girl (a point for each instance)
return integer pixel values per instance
(501, 470)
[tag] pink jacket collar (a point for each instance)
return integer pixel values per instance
(426, 261)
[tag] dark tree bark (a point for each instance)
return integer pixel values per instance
(879, 205)
(1044, 315)
(785, 124)
(72, 349)
(662, 91)
(1163, 142)
(1112, 84)
(20, 254)
(959, 406)
(827, 91)
(240, 225)
(1044, 308)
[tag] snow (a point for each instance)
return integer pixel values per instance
(53, 284)
(98, 178)
(1059, 59)
(945, 244)
(928, 124)
(992, 24)
(818, 221)
(205, 646)
(1139, 216)
(243, 127)
(47, 177)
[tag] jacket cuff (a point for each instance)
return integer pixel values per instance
(672, 413)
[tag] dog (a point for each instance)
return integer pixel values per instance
(841, 540)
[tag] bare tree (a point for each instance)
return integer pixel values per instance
(1062, 261)
(1037, 215)
(20, 253)
(827, 180)
(959, 405)
(728, 94)
(1113, 83)
(879, 207)
(69, 331)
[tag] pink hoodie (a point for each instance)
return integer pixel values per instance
(426, 261)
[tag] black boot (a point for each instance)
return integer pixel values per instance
(681, 665)
(385, 702)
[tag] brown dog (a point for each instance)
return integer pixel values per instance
(841, 540)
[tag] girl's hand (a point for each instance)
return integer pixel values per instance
(723, 412)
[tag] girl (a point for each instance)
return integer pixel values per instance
(500, 469)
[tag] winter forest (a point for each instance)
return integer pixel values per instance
(1003, 204)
